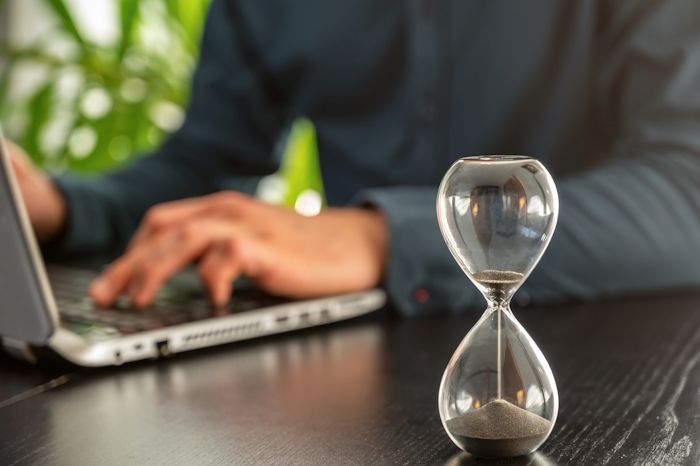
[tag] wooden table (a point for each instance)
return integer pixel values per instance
(364, 392)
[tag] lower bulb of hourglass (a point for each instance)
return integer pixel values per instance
(498, 397)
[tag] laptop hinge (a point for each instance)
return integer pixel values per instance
(19, 349)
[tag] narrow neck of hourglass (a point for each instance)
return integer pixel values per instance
(498, 304)
(498, 296)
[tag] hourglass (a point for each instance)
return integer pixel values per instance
(497, 214)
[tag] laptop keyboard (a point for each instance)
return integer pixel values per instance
(174, 305)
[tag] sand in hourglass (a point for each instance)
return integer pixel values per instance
(498, 283)
(499, 429)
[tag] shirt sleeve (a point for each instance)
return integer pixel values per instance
(230, 128)
(421, 276)
(631, 225)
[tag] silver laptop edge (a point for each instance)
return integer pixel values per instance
(27, 232)
(183, 337)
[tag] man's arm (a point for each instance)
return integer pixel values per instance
(229, 130)
(632, 225)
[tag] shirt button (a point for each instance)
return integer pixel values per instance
(422, 295)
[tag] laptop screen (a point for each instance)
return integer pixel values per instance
(27, 311)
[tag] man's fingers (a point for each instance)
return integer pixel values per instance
(218, 269)
(143, 270)
(167, 256)
(164, 215)
(108, 286)
(130, 273)
(168, 214)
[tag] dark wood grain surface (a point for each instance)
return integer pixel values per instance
(364, 392)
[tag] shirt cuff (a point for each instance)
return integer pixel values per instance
(88, 228)
(422, 277)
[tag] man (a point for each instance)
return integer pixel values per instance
(605, 93)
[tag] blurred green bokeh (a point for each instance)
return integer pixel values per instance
(98, 105)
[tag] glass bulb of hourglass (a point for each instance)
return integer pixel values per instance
(498, 397)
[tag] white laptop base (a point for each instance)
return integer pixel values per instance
(209, 332)
(93, 337)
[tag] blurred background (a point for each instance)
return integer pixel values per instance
(87, 85)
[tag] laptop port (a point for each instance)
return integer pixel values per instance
(163, 347)
(281, 319)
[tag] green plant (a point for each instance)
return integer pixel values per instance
(97, 105)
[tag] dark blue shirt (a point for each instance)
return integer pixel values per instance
(605, 93)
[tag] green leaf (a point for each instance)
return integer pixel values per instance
(165, 72)
(67, 23)
(189, 15)
(34, 54)
(300, 165)
(128, 15)
(39, 110)
(5, 83)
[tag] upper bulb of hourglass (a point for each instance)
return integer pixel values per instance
(497, 214)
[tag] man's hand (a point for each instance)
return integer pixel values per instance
(45, 203)
(230, 234)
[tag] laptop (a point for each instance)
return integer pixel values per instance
(47, 306)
